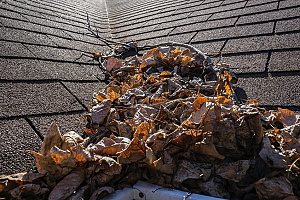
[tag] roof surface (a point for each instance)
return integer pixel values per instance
(44, 77)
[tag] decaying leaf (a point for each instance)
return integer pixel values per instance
(68, 185)
(191, 170)
(234, 171)
(286, 116)
(113, 63)
(274, 188)
(206, 147)
(134, 152)
(52, 138)
(272, 157)
(100, 111)
(29, 191)
(101, 192)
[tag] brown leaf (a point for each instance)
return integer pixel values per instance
(191, 170)
(142, 131)
(207, 147)
(109, 146)
(101, 192)
(29, 191)
(271, 157)
(68, 185)
(52, 138)
(286, 116)
(133, 153)
(100, 111)
(113, 63)
(71, 139)
(11, 181)
(199, 101)
(59, 155)
(274, 188)
(234, 171)
(81, 155)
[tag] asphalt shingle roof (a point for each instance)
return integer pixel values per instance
(42, 79)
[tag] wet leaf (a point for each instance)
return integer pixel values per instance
(199, 101)
(58, 155)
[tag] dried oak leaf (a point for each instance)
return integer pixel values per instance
(80, 154)
(272, 157)
(71, 139)
(234, 171)
(199, 101)
(8, 182)
(109, 146)
(100, 111)
(29, 191)
(134, 152)
(52, 138)
(191, 170)
(58, 155)
(108, 165)
(165, 164)
(113, 64)
(206, 147)
(68, 185)
(274, 188)
(101, 193)
(80, 194)
(286, 116)
(215, 187)
(142, 131)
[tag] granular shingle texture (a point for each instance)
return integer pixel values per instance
(44, 76)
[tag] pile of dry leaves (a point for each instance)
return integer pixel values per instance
(171, 118)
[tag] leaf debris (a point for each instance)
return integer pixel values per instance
(169, 117)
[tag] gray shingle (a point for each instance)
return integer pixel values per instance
(289, 3)
(272, 91)
(263, 43)
(22, 69)
(272, 15)
(210, 47)
(66, 123)
(257, 2)
(26, 98)
(288, 25)
(244, 11)
(24, 36)
(14, 49)
(247, 63)
(219, 9)
(284, 61)
(204, 25)
(17, 139)
(237, 31)
(84, 91)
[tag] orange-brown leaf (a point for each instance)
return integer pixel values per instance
(199, 101)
